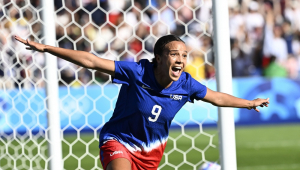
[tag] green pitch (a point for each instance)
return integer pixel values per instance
(272, 147)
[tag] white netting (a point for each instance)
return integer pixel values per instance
(117, 30)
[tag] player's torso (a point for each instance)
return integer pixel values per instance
(144, 112)
(157, 107)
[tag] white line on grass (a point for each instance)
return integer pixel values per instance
(271, 144)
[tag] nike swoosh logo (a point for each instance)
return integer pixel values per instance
(145, 87)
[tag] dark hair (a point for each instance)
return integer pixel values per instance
(161, 43)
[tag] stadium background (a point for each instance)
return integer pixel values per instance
(127, 31)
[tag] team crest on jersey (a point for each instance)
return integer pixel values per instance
(175, 97)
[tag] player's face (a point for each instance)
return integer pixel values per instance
(173, 60)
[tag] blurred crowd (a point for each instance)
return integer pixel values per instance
(264, 36)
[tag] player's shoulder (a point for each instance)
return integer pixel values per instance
(186, 80)
(144, 62)
(183, 85)
(185, 77)
(138, 66)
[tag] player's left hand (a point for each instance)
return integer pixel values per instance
(259, 102)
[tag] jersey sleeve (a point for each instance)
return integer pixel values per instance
(197, 90)
(125, 72)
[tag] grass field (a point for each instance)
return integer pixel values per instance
(268, 147)
(272, 147)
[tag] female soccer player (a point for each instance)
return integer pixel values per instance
(151, 94)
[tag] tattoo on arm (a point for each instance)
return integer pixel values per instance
(249, 106)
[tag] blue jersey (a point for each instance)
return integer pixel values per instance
(144, 110)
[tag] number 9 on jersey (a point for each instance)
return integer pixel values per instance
(156, 112)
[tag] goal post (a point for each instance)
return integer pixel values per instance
(226, 129)
(54, 131)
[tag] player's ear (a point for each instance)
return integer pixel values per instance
(157, 58)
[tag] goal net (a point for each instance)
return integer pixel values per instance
(117, 30)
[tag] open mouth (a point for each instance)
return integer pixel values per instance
(176, 71)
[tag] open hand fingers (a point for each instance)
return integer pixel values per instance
(264, 104)
(21, 40)
(261, 103)
(26, 42)
(31, 45)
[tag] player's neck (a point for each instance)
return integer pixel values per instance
(163, 80)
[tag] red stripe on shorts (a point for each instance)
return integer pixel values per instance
(139, 160)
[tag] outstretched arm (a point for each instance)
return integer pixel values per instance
(80, 58)
(226, 100)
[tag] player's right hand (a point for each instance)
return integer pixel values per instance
(31, 45)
